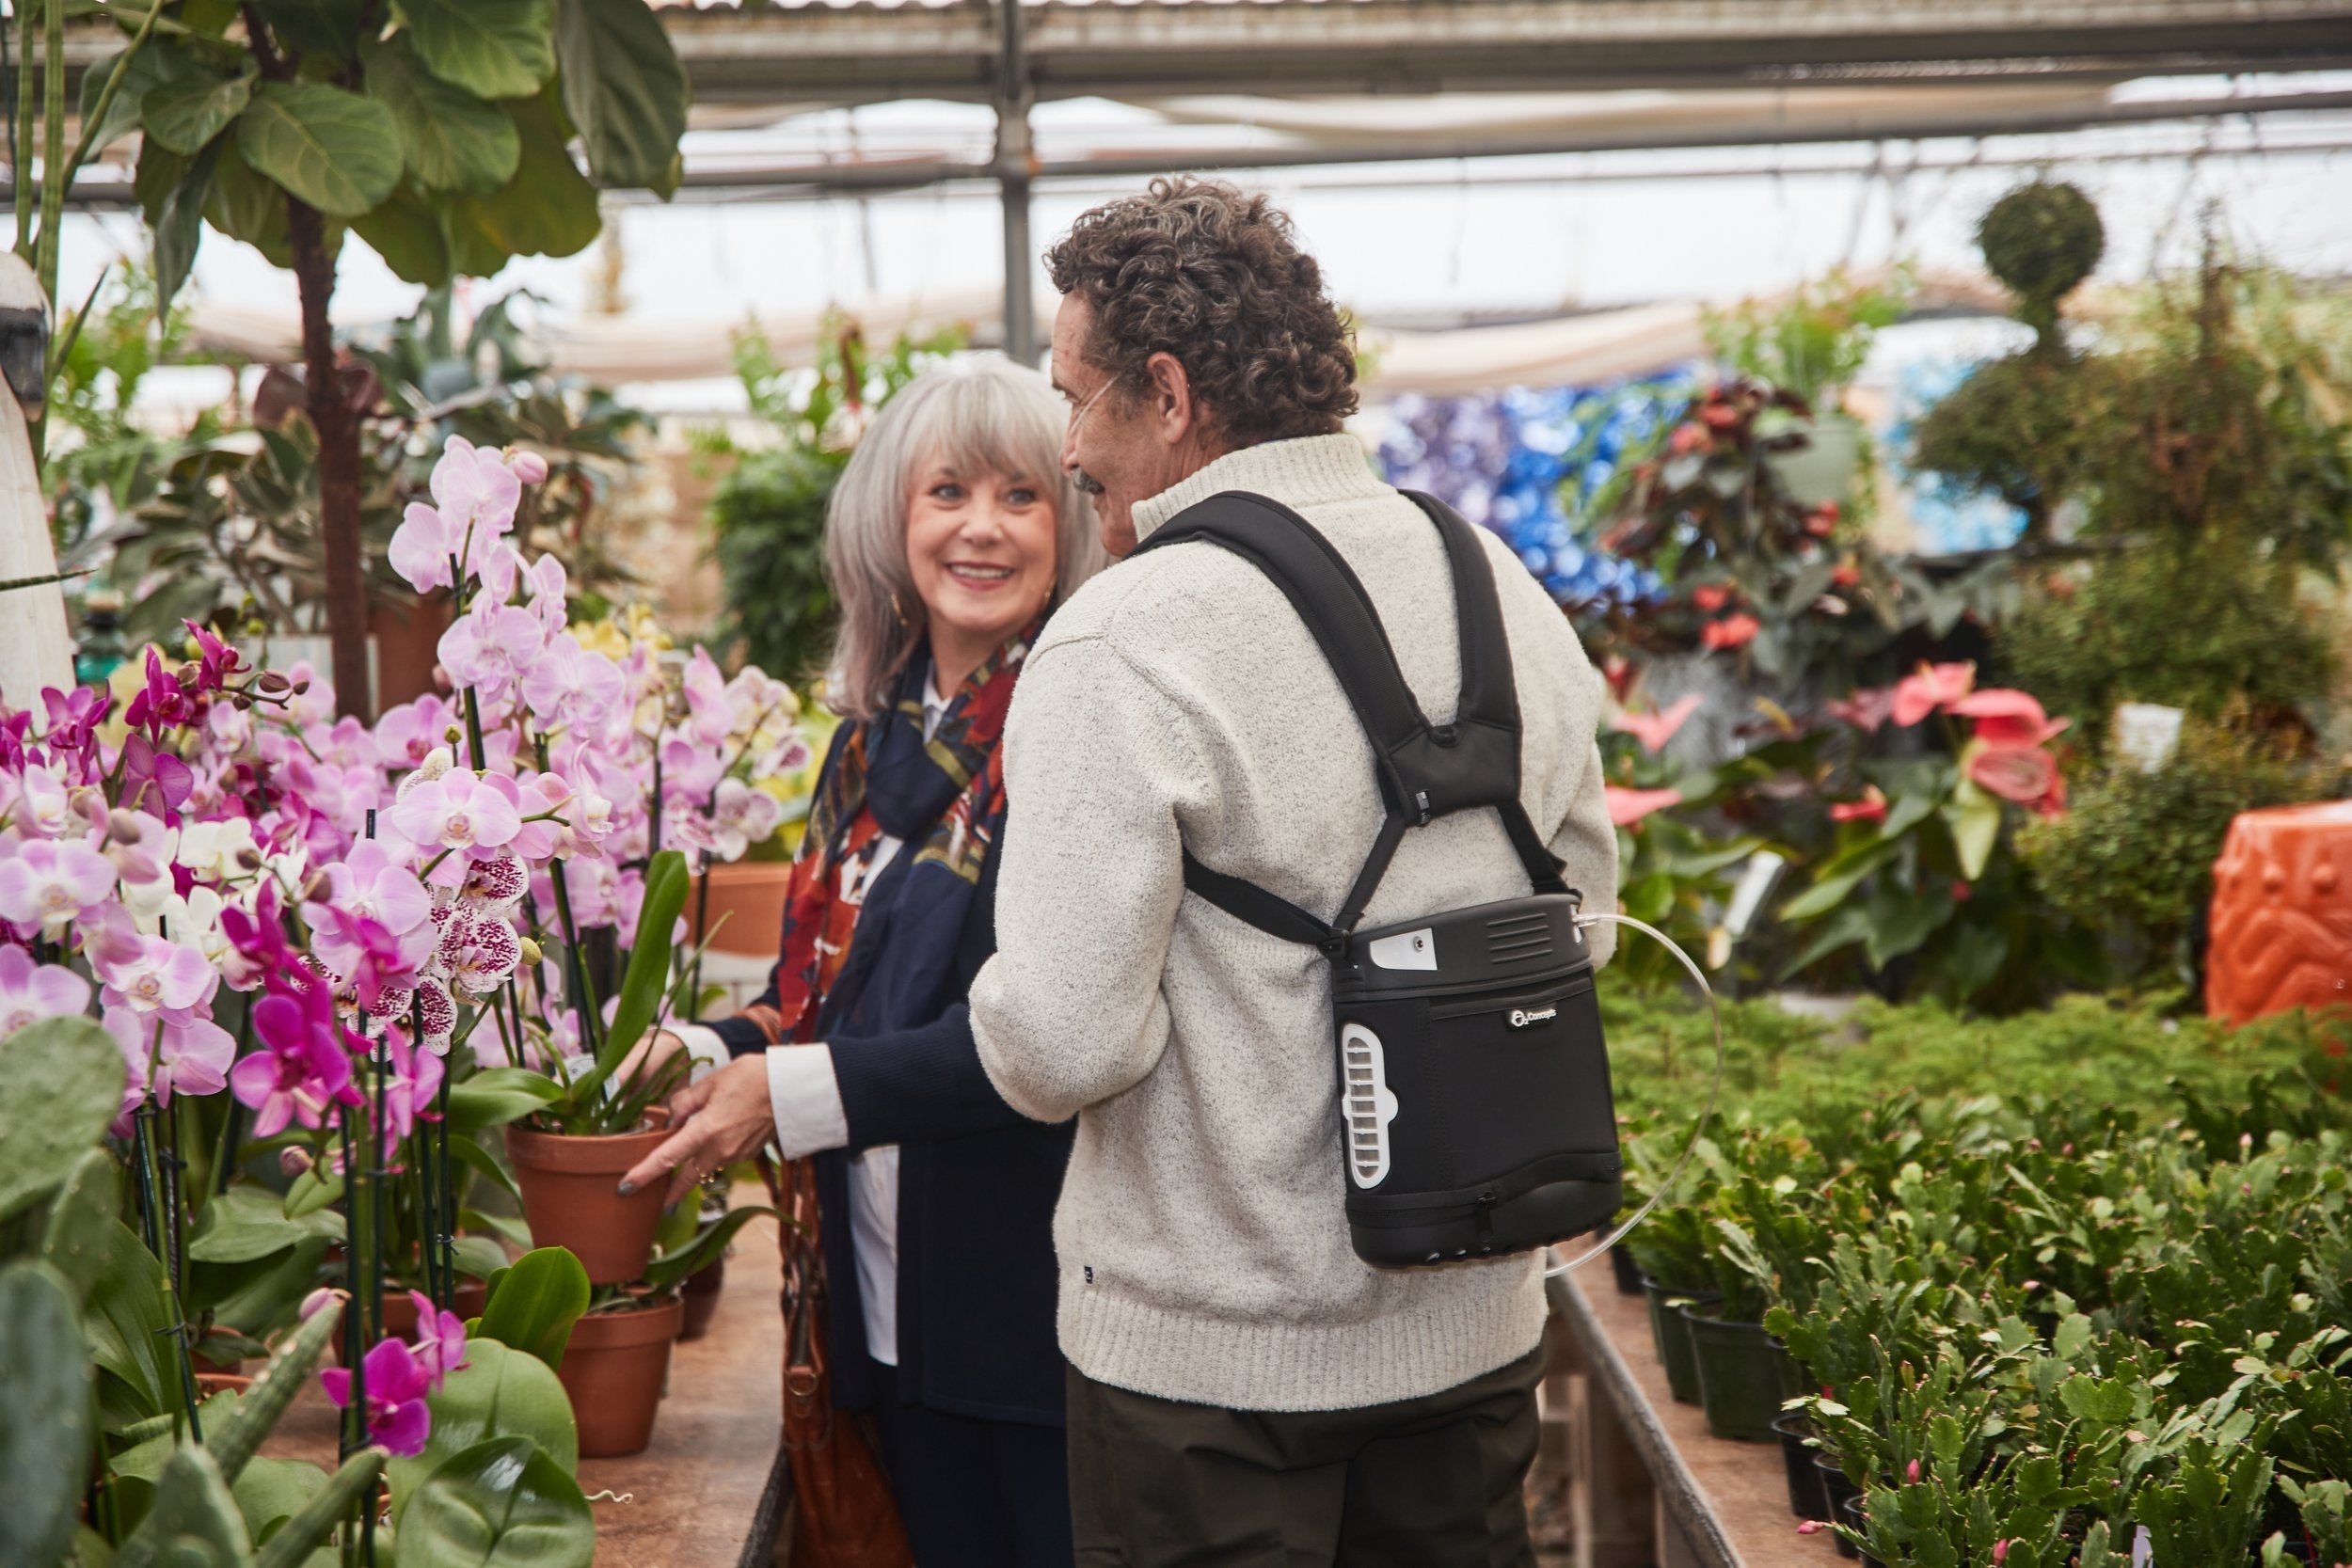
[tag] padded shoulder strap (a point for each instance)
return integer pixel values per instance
(1329, 597)
(1488, 691)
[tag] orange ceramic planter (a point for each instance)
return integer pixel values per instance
(2282, 913)
(572, 1198)
(614, 1368)
(750, 893)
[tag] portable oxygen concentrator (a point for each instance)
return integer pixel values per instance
(1473, 1083)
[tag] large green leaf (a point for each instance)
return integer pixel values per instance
(328, 27)
(124, 1317)
(60, 1084)
(407, 233)
(646, 981)
(491, 48)
(247, 1222)
(495, 1095)
(187, 114)
(671, 1267)
(194, 1522)
(335, 149)
(158, 61)
(180, 224)
(245, 205)
(44, 1415)
(548, 209)
(259, 1297)
(275, 1489)
(624, 89)
(1975, 818)
(500, 1504)
(453, 141)
(536, 1302)
(500, 1393)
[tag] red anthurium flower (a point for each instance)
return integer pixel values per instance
(2024, 774)
(1732, 631)
(1934, 687)
(1653, 730)
(1864, 711)
(1629, 806)
(1870, 808)
(2009, 718)
(1711, 596)
(1845, 574)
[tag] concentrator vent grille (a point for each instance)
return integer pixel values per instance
(1518, 938)
(1366, 1103)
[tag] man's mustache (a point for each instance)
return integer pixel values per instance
(1086, 481)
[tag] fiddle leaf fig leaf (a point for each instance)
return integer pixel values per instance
(187, 114)
(334, 150)
(624, 89)
(491, 48)
(452, 140)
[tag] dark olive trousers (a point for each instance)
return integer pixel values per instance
(1431, 1483)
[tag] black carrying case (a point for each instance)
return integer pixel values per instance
(1474, 1081)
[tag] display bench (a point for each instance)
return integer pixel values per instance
(1649, 1487)
(712, 1490)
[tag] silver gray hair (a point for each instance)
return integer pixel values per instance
(977, 413)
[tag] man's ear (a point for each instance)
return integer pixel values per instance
(1174, 414)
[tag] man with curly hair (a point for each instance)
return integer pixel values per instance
(1243, 1388)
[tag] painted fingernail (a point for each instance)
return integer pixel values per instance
(627, 1187)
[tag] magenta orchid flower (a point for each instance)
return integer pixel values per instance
(29, 990)
(161, 704)
(305, 1067)
(48, 883)
(440, 1338)
(398, 1419)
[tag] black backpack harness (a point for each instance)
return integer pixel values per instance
(1474, 1081)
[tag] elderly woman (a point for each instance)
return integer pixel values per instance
(952, 534)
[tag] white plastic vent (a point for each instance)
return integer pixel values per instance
(1367, 1105)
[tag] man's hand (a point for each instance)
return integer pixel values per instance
(727, 1118)
(644, 1059)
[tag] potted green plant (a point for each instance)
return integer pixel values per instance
(576, 1130)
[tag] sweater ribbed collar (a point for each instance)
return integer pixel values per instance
(1310, 470)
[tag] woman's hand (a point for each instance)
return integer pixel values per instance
(727, 1118)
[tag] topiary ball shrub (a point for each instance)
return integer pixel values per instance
(2041, 240)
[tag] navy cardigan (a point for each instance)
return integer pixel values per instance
(978, 1182)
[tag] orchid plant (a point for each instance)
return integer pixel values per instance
(336, 925)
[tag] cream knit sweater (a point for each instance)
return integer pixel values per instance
(1177, 700)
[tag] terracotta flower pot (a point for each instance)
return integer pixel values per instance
(400, 1313)
(614, 1370)
(751, 894)
(209, 1384)
(572, 1197)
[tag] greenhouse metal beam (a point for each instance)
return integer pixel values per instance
(866, 52)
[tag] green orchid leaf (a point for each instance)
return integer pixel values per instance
(671, 1268)
(499, 1393)
(498, 1504)
(247, 1222)
(535, 1304)
(495, 1095)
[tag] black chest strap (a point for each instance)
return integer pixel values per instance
(1424, 770)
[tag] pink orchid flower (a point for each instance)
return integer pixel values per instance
(191, 1055)
(29, 990)
(304, 1068)
(458, 811)
(440, 1338)
(490, 647)
(1653, 730)
(398, 1419)
(162, 977)
(48, 883)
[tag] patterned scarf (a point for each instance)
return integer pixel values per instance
(944, 799)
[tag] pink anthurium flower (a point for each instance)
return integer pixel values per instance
(1653, 730)
(2009, 718)
(1870, 808)
(2024, 774)
(1937, 686)
(1626, 807)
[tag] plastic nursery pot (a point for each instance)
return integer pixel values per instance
(1851, 1511)
(1839, 1491)
(572, 1198)
(1739, 1382)
(1672, 1336)
(701, 1296)
(1628, 1272)
(614, 1370)
(1808, 1495)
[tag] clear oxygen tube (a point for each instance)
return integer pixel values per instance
(1698, 1129)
